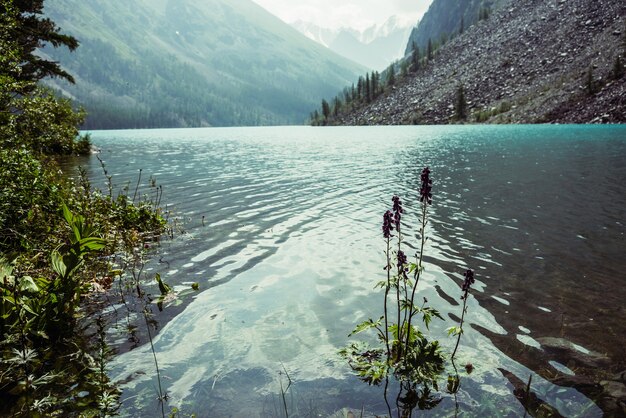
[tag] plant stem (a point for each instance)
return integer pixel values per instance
(387, 287)
(162, 397)
(418, 271)
(458, 339)
(399, 278)
(137, 186)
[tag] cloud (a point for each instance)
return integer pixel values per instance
(411, 6)
(357, 14)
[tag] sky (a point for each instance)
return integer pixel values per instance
(357, 14)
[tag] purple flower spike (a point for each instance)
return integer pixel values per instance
(397, 211)
(402, 260)
(425, 190)
(469, 281)
(387, 224)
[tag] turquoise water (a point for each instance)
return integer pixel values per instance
(282, 230)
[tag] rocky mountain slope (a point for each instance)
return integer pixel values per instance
(170, 63)
(531, 61)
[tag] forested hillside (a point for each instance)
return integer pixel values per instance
(446, 18)
(166, 63)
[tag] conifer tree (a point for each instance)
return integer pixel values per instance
(460, 106)
(415, 57)
(375, 80)
(430, 50)
(368, 92)
(315, 117)
(360, 88)
(31, 33)
(325, 109)
(391, 75)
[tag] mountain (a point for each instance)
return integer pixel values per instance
(171, 63)
(444, 18)
(374, 47)
(530, 61)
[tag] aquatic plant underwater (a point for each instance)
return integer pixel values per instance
(404, 353)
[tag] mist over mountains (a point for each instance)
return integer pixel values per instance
(177, 63)
(374, 47)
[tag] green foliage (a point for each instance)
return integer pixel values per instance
(325, 109)
(164, 288)
(483, 13)
(32, 117)
(43, 123)
(402, 350)
(29, 193)
(367, 89)
(415, 57)
(430, 50)
(391, 75)
(38, 324)
(51, 233)
(30, 31)
(484, 115)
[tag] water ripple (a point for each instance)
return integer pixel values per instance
(283, 234)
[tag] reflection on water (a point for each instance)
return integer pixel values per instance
(283, 235)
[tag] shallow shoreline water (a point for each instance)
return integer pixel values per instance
(283, 236)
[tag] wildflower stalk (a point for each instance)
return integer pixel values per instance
(425, 199)
(469, 280)
(162, 396)
(387, 288)
(400, 271)
(387, 228)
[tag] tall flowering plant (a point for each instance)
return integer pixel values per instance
(403, 350)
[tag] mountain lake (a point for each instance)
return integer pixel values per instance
(281, 229)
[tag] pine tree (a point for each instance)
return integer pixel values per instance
(368, 92)
(315, 117)
(360, 88)
(430, 50)
(31, 33)
(336, 106)
(460, 106)
(415, 57)
(375, 84)
(325, 109)
(391, 75)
